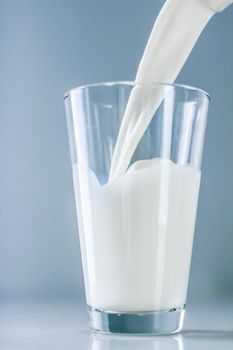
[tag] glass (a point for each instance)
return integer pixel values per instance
(136, 232)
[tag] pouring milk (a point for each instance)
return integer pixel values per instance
(173, 36)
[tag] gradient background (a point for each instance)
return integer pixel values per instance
(50, 46)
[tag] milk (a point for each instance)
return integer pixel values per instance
(136, 232)
(136, 235)
(173, 36)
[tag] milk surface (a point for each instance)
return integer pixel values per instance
(136, 235)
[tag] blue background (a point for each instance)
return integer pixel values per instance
(48, 47)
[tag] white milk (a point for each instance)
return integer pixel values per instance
(136, 232)
(136, 235)
(173, 36)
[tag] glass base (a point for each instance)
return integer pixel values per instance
(161, 322)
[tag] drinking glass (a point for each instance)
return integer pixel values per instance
(136, 232)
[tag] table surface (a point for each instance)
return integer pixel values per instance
(64, 325)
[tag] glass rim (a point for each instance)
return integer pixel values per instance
(77, 89)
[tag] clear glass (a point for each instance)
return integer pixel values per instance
(136, 232)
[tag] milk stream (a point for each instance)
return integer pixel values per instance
(136, 235)
(173, 36)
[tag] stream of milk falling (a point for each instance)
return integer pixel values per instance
(173, 36)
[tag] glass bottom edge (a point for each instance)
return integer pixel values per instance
(143, 323)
